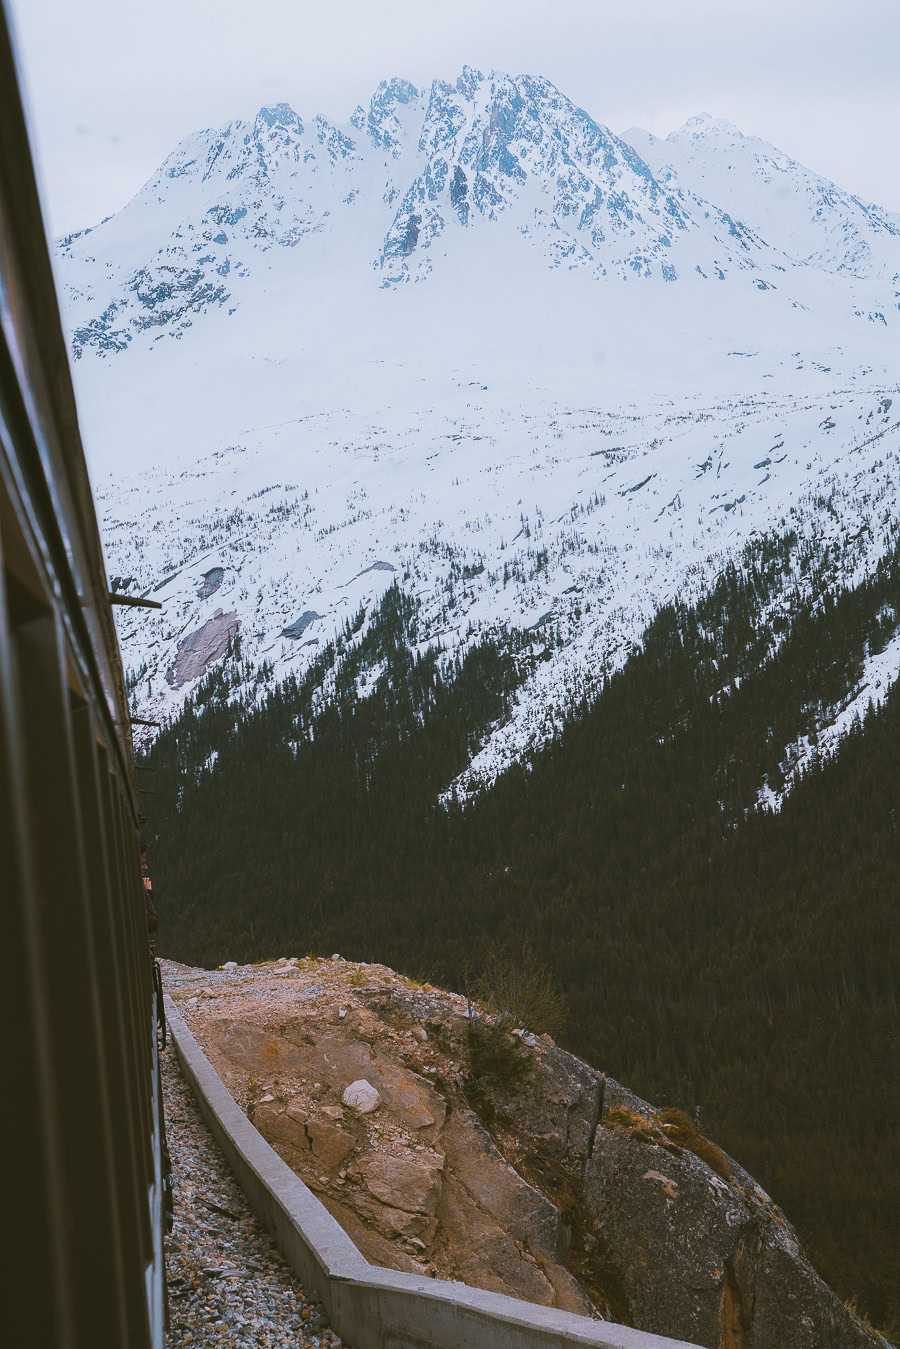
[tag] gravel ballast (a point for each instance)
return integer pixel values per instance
(228, 1284)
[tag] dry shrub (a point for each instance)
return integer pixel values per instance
(680, 1129)
(891, 1332)
(671, 1129)
(520, 991)
(628, 1121)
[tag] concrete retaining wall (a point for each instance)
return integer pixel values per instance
(371, 1307)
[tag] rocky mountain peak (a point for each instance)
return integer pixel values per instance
(468, 81)
(493, 143)
(281, 115)
(703, 126)
(384, 123)
(809, 218)
(571, 195)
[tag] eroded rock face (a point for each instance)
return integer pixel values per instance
(561, 1188)
(638, 1196)
(417, 1182)
(203, 646)
(497, 1190)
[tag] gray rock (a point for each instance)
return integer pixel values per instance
(680, 1249)
(706, 1258)
(212, 579)
(362, 1096)
(299, 625)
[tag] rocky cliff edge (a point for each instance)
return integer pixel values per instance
(447, 1145)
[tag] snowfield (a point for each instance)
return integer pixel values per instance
(474, 343)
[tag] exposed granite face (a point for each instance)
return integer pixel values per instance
(675, 1227)
(715, 1252)
(555, 1184)
(200, 648)
(677, 1247)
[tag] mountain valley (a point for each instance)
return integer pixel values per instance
(523, 502)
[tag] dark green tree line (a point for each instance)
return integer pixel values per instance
(711, 954)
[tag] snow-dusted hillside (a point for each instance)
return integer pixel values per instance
(473, 342)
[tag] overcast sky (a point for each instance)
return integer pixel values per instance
(113, 85)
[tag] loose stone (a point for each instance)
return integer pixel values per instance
(227, 1282)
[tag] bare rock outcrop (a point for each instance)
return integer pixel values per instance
(296, 629)
(549, 1182)
(713, 1249)
(211, 582)
(203, 646)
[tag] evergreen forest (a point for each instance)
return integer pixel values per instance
(712, 953)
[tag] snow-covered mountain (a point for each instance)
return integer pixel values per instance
(400, 180)
(474, 342)
(796, 210)
(405, 180)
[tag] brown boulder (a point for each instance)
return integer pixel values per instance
(329, 1144)
(411, 1183)
(280, 1126)
(410, 1100)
